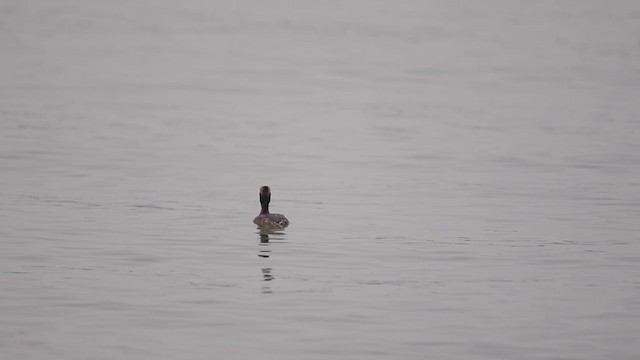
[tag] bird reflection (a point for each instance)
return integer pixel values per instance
(265, 236)
(264, 251)
(266, 276)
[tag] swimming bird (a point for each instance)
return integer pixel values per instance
(265, 219)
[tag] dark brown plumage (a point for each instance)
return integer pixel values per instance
(266, 219)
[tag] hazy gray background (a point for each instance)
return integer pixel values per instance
(462, 179)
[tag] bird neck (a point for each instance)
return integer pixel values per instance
(265, 199)
(265, 209)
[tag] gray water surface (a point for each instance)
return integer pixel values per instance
(462, 179)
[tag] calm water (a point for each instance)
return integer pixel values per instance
(462, 179)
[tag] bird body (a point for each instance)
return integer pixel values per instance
(271, 220)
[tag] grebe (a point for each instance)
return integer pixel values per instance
(265, 219)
